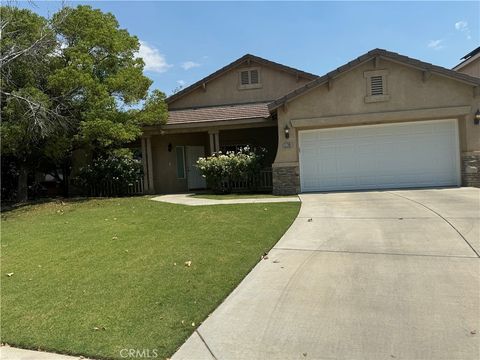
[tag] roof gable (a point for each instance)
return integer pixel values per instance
(376, 53)
(246, 59)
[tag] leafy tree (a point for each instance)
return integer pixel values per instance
(28, 114)
(73, 82)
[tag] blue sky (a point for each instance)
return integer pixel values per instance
(185, 41)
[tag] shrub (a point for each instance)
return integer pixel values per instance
(221, 170)
(109, 174)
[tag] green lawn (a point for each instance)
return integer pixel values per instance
(237, 196)
(96, 276)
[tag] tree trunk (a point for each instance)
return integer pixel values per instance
(22, 183)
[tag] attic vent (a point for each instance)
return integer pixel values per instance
(249, 79)
(377, 89)
(376, 85)
(254, 77)
(244, 78)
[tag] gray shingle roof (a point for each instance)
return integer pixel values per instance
(219, 113)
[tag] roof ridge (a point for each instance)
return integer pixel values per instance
(233, 64)
(365, 57)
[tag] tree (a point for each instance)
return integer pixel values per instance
(28, 114)
(85, 88)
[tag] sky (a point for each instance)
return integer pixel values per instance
(182, 42)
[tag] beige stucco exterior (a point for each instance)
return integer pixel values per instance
(412, 96)
(343, 99)
(275, 81)
(164, 161)
(226, 90)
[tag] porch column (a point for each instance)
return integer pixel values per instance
(147, 165)
(150, 165)
(214, 141)
(217, 141)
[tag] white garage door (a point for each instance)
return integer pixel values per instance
(417, 154)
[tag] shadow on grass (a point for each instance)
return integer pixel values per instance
(11, 205)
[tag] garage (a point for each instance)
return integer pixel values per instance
(399, 155)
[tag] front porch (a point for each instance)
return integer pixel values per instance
(170, 153)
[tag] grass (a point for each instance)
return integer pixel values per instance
(96, 276)
(236, 196)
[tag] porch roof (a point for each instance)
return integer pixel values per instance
(219, 113)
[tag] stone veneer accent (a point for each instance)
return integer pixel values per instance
(286, 180)
(471, 169)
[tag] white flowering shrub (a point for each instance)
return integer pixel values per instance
(221, 170)
(115, 171)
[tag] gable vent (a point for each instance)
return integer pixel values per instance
(254, 77)
(244, 77)
(376, 85)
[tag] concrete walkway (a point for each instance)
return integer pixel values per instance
(187, 199)
(11, 353)
(360, 275)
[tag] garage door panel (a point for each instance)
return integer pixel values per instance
(368, 157)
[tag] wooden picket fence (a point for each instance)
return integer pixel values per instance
(261, 182)
(111, 188)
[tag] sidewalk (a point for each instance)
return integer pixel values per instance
(11, 353)
(187, 199)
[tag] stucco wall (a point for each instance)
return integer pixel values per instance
(407, 91)
(165, 163)
(224, 89)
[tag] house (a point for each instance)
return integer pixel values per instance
(383, 120)
(470, 64)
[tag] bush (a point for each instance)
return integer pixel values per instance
(9, 178)
(109, 175)
(221, 170)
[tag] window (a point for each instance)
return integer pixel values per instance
(376, 86)
(180, 154)
(249, 79)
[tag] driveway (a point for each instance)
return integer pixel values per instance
(359, 275)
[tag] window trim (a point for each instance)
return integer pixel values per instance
(249, 85)
(182, 148)
(369, 98)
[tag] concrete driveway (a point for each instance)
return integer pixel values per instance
(359, 275)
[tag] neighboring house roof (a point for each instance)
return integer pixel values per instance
(467, 59)
(381, 53)
(240, 61)
(219, 113)
(471, 53)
